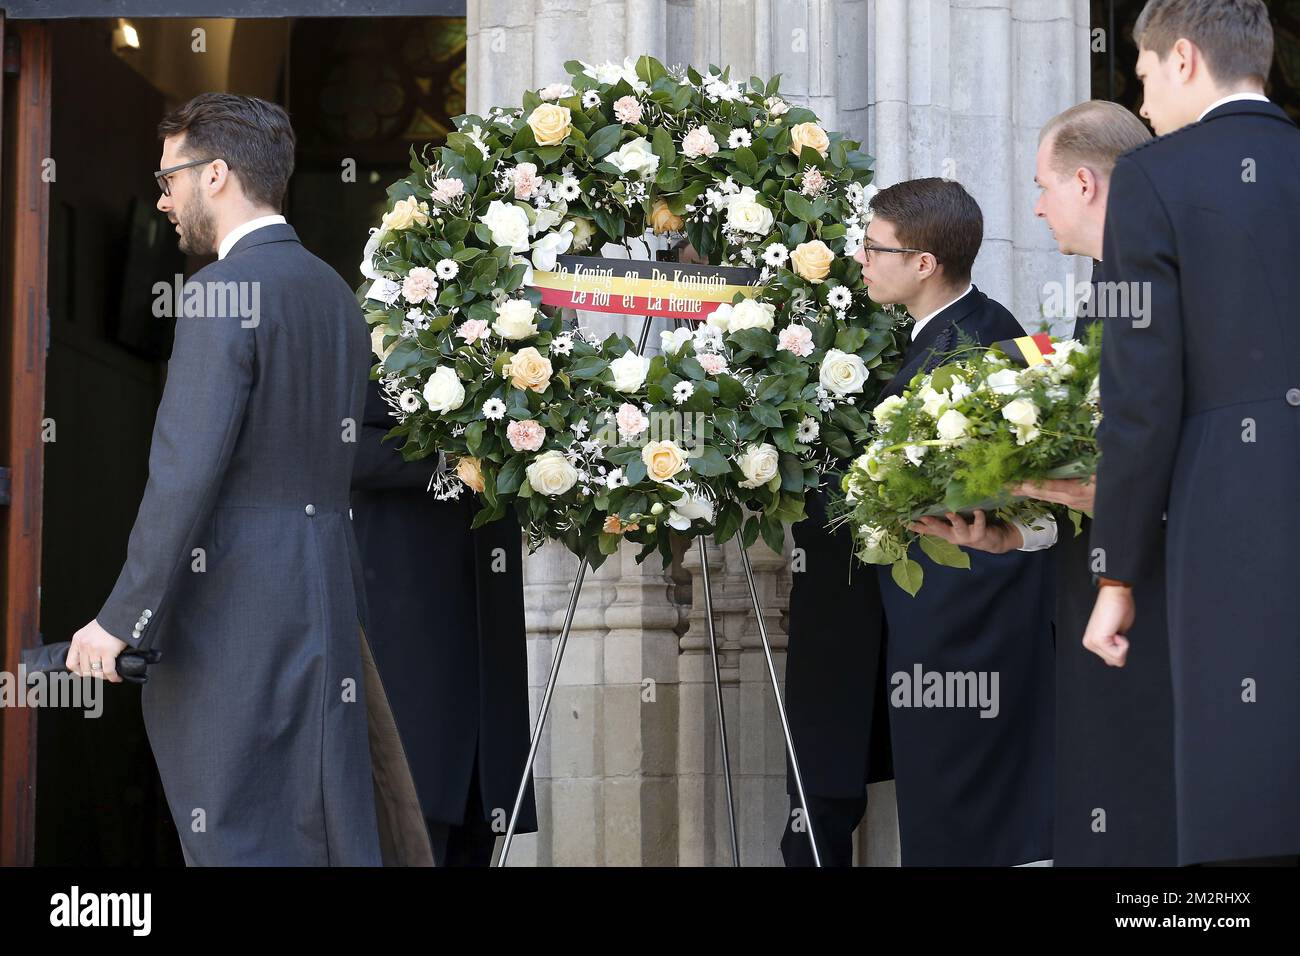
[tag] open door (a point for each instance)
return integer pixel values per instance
(25, 101)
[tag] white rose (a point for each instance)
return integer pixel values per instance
(508, 225)
(514, 320)
(959, 390)
(842, 372)
(746, 213)
(444, 391)
(1094, 391)
(952, 425)
(1059, 357)
(914, 453)
(1023, 414)
(720, 318)
(749, 314)
(759, 463)
(886, 410)
(687, 509)
(671, 342)
(635, 157)
(629, 371)
(932, 402)
(551, 474)
(1004, 381)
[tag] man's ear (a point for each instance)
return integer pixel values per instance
(1188, 59)
(1086, 181)
(927, 265)
(218, 177)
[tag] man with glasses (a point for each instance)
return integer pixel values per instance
(265, 711)
(974, 783)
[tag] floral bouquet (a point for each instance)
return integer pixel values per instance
(958, 437)
(590, 441)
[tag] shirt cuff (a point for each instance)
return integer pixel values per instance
(1039, 536)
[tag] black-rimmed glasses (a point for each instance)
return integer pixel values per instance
(867, 250)
(162, 174)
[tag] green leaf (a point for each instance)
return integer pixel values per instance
(791, 469)
(728, 522)
(746, 161)
(710, 462)
(773, 533)
(590, 366)
(662, 144)
(907, 574)
(604, 140)
(474, 438)
(799, 207)
(943, 552)
(511, 476)
(766, 415)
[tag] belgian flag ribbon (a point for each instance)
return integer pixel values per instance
(1027, 349)
(637, 287)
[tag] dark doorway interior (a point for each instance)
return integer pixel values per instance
(365, 90)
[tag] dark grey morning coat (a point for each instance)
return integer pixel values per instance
(271, 731)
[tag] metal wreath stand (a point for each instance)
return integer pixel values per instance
(717, 688)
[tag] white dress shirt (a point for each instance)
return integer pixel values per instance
(243, 229)
(916, 328)
(1230, 99)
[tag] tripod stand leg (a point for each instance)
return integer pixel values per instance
(717, 690)
(780, 705)
(545, 711)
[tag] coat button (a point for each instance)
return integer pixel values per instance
(147, 613)
(311, 510)
(1293, 396)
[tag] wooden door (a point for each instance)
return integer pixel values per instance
(25, 95)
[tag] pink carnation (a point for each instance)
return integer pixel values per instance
(699, 142)
(526, 435)
(445, 190)
(627, 109)
(712, 363)
(471, 330)
(420, 285)
(526, 180)
(796, 339)
(631, 421)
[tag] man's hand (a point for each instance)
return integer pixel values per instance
(1077, 493)
(1112, 617)
(994, 538)
(94, 653)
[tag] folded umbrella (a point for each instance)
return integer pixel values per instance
(52, 658)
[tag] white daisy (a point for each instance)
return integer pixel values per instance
(447, 269)
(590, 98)
(682, 391)
(739, 138)
(569, 190)
(494, 409)
(808, 430)
(563, 344)
(410, 400)
(616, 479)
(839, 297)
(776, 255)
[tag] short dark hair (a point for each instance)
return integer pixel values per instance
(253, 136)
(937, 216)
(1235, 36)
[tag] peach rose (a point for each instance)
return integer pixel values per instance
(550, 124)
(663, 459)
(530, 369)
(812, 260)
(662, 219)
(470, 471)
(809, 134)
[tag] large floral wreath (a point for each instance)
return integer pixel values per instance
(555, 420)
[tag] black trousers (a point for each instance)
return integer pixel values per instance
(834, 819)
(468, 843)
